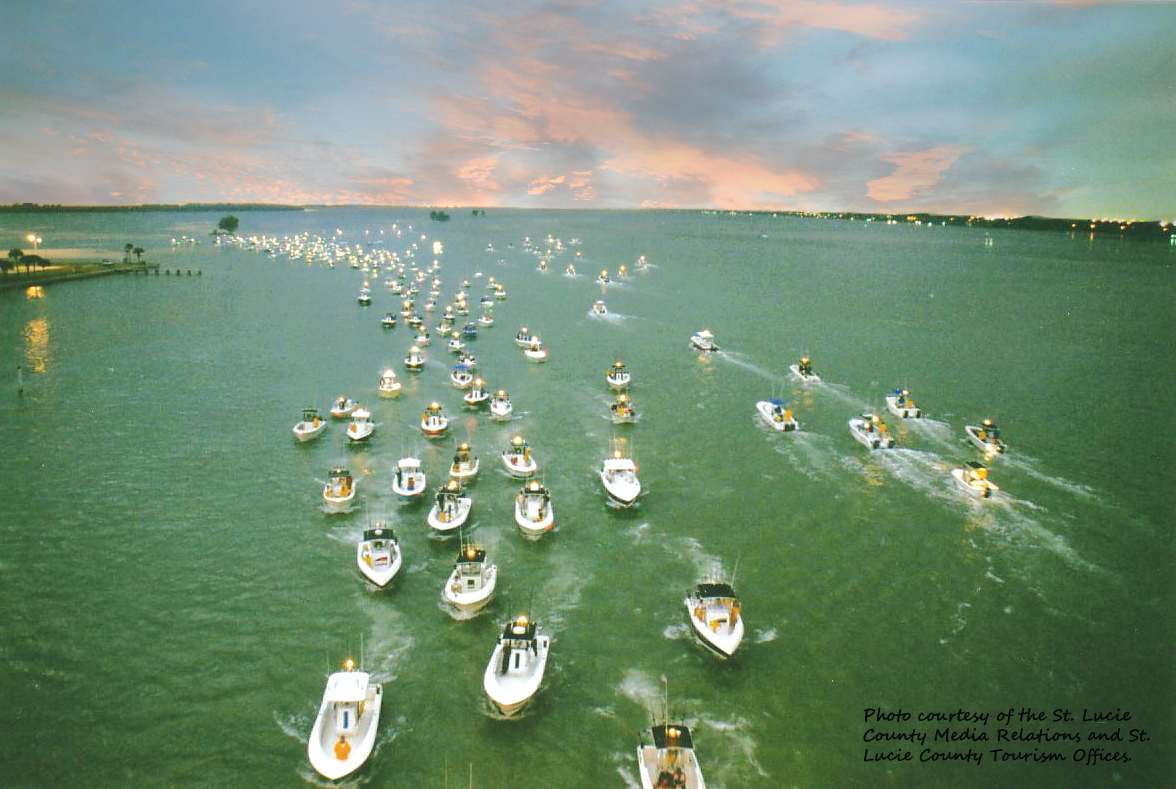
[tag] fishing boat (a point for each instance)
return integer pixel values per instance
(339, 490)
(666, 759)
(472, 582)
(986, 437)
(361, 426)
(603, 279)
(455, 342)
(518, 459)
(499, 292)
(342, 407)
(703, 340)
(421, 339)
(523, 338)
(533, 511)
(570, 271)
(621, 411)
(311, 426)
(389, 385)
(501, 407)
(433, 421)
(901, 404)
(516, 665)
(389, 320)
(599, 309)
(713, 610)
(617, 376)
(477, 394)
(486, 319)
(464, 467)
(469, 331)
(461, 377)
(450, 509)
(974, 479)
(618, 474)
(804, 370)
(415, 361)
(344, 731)
(468, 359)
(378, 555)
(408, 479)
(535, 351)
(871, 431)
(777, 415)
(365, 295)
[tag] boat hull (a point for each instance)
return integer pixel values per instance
(376, 569)
(774, 421)
(511, 692)
(321, 746)
(810, 378)
(448, 523)
(870, 440)
(983, 490)
(472, 600)
(902, 411)
(308, 431)
(991, 447)
(715, 634)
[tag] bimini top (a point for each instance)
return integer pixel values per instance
(715, 589)
(521, 628)
(347, 687)
(378, 533)
(471, 555)
(672, 735)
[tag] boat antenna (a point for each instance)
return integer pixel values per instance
(735, 571)
(665, 698)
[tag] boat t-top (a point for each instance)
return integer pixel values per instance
(342, 407)
(415, 360)
(433, 421)
(713, 609)
(777, 414)
(477, 394)
(339, 489)
(311, 426)
(408, 479)
(472, 581)
(617, 376)
(451, 508)
(344, 731)
(464, 467)
(389, 320)
(535, 351)
(666, 759)
(523, 338)
(461, 377)
(518, 459)
(361, 426)
(533, 511)
(389, 385)
(902, 405)
(621, 411)
(804, 370)
(516, 665)
(378, 555)
(871, 431)
(501, 407)
(599, 309)
(974, 478)
(703, 340)
(618, 474)
(986, 437)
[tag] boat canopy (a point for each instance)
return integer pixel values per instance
(378, 533)
(347, 687)
(519, 629)
(671, 735)
(618, 464)
(715, 589)
(471, 555)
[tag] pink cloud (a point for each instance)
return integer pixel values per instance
(917, 172)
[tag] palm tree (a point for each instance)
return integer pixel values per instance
(127, 256)
(139, 253)
(14, 256)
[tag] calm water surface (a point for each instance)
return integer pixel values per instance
(173, 594)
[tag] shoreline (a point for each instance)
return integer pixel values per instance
(66, 272)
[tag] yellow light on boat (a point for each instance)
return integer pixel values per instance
(522, 620)
(517, 441)
(349, 664)
(672, 732)
(471, 553)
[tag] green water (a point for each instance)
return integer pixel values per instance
(173, 594)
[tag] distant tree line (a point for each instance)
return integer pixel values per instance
(17, 257)
(440, 216)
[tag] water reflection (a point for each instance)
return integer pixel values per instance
(36, 334)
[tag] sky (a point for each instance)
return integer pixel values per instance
(1063, 108)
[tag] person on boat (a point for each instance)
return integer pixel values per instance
(342, 749)
(805, 367)
(989, 431)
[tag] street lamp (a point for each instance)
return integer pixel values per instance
(35, 240)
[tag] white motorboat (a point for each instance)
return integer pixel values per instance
(433, 421)
(501, 407)
(415, 360)
(871, 431)
(518, 458)
(704, 340)
(666, 759)
(618, 474)
(339, 490)
(389, 320)
(804, 370)
(623, 271)
(469, 331)
(378, 555)
(713, 609)
(523, 338)
(389, 385)
(536, 352)
(974, 479)
(450, 509)
(342, 407)
(365, 295)
(986, 437)
(603, 279)
(901, 404)
(311, 426)
(777, 415)
(464, 467)
(455, 343)
(469, 360)
(599, 309)
(461, 377)
(621, 411)
(477, 394)
(617, 376)
(516, 666)
(344, 731)
(533, 510)
(499, 292)
(472, 582)
(361, 426)
(422, 338)
(570, 270)
(486, 319)
(408, 479)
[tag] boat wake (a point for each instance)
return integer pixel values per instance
(739, 360)
(738, 733)
(813, 454)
